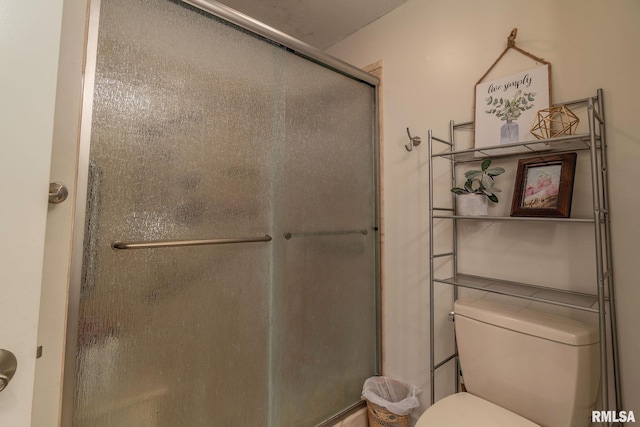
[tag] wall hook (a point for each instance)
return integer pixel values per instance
(414, 141)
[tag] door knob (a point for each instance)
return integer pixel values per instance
(57, 192)
(8, 366)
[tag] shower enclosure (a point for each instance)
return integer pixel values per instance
(225, 270)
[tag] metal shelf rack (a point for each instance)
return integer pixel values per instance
(601, 302)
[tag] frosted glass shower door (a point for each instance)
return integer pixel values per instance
(202, 131)
(330, 272)
(181, 149)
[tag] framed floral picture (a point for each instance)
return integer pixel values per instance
(544, 186)
(506, 107)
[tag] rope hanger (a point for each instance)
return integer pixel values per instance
(511, 44)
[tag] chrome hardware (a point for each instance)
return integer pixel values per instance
(452, 316)
(57, 192)
(288, 236)
(177, 243)
(8, 366)
(414, 141)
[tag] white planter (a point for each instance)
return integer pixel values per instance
(471, 204)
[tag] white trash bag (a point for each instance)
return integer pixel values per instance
(396, 396)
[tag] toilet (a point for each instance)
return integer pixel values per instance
(521, 368)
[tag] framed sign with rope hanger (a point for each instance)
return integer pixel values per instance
(506, 106)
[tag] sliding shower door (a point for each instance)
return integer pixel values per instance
(329, 302)
(229, 263)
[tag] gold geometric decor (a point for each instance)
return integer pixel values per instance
(553, 122)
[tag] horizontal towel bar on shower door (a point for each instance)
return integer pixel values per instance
(178, 243)
(324, 233)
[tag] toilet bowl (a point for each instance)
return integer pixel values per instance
(521, 368)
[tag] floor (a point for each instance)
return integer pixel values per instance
(357, 419)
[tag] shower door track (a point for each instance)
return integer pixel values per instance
(296, 46)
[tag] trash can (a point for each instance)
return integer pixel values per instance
(389, 401)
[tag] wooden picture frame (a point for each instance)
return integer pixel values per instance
(544, 186)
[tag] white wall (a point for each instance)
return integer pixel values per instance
(29, 46)
(433, 53)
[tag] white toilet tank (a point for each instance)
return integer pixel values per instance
(540, 366)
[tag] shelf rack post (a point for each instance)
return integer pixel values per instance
(597, 218)
(597, 114)
(452, 138)
(432, 373)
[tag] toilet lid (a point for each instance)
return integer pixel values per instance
(467, 410)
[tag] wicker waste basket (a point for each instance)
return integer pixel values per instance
(380, 417)
(389, 401)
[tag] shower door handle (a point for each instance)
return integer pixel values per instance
(8, 366)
